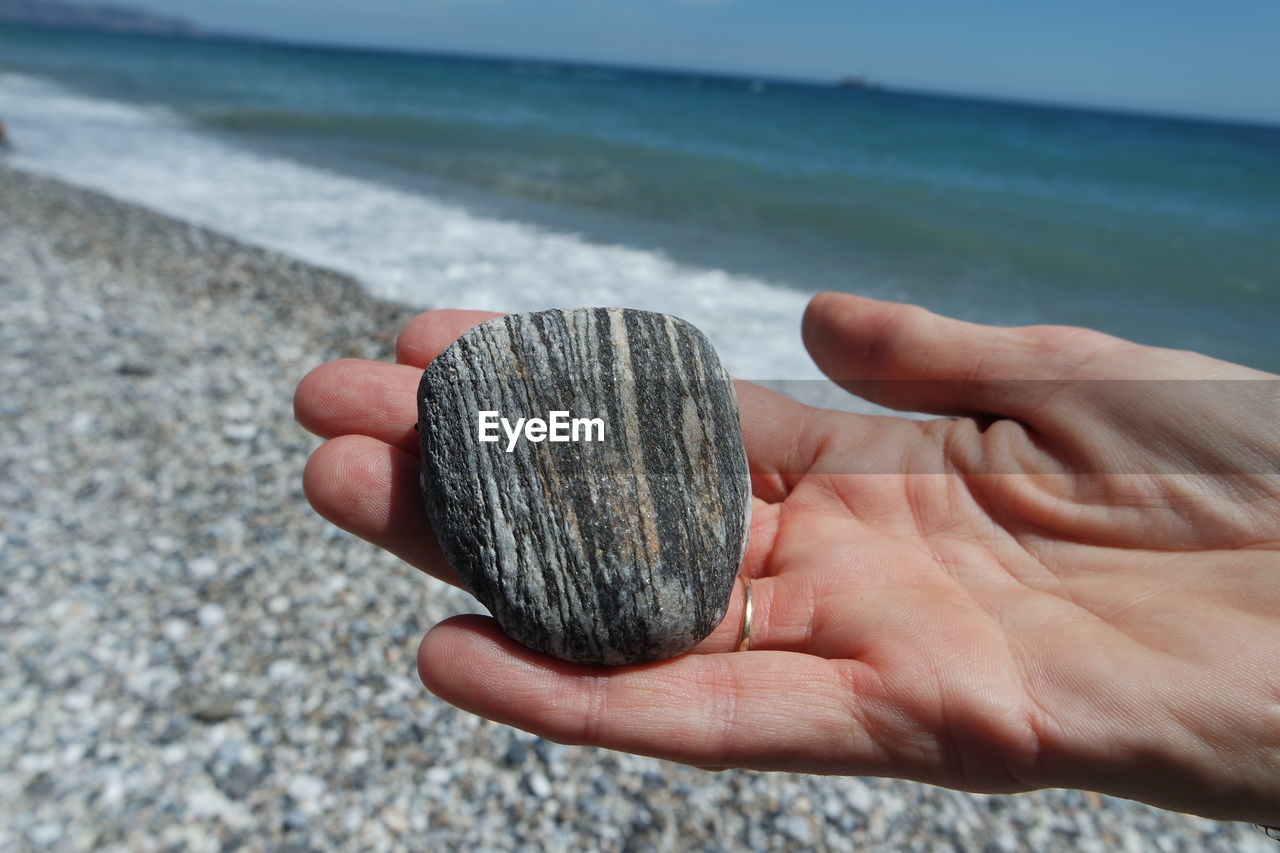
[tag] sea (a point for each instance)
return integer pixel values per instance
(517, 184)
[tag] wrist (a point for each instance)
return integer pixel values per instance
(1216, 757)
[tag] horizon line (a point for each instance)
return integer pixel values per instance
(873, 86)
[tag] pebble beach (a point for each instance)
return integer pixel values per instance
(191, 659)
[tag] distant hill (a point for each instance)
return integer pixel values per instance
(51, 13)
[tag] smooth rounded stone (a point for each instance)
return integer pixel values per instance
(619, 549)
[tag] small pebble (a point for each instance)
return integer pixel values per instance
(215, 709)
(202, 568)
(211, 615)
(306, 791)
(240, 431)
(539, 785)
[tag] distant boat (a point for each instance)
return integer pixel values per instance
(857, 83)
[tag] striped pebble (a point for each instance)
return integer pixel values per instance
(585, 475)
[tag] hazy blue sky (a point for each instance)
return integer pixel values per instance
(1178, 56)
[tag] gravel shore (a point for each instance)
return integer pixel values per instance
(191, 659)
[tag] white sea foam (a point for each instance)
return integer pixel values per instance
(400, 245)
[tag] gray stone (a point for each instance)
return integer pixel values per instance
(619, 549)
(214, 709)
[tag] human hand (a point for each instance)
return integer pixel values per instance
(1074, 581)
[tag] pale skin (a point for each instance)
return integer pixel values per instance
(1064, 583)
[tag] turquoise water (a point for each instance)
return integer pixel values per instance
(1161, 230)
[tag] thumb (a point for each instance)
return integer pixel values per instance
(905, 357)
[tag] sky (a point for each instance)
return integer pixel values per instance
(1182, 57)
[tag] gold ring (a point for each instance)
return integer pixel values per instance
(744, 639)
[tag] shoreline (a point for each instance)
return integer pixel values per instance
(195, 659)
(231, 268)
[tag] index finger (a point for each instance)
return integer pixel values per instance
(431, 332)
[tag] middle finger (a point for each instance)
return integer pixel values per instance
(357, 397)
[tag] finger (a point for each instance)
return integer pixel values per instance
(826, 606)
(782, 617)
(783, 607)
(430, 333)
(766, 710)
(905, 357)
(370, 488)
(357, 397)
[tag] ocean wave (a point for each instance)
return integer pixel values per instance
(401, 245)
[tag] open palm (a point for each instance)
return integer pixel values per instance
(1074, 580)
